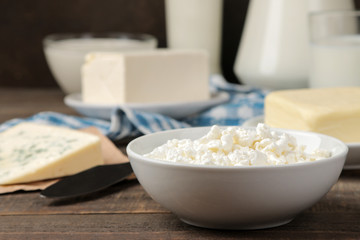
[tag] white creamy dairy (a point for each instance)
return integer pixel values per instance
(65, 57)
(159, 76)
(235, 146)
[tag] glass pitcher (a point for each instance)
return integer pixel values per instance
(274, 50)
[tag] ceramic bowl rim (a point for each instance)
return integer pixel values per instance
(50, 39)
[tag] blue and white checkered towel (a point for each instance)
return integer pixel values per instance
(244, 103)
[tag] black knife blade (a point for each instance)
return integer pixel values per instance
(88, 181)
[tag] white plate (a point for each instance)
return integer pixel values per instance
(174, 110)
(353, 157)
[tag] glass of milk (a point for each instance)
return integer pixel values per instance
(195, 24)
(335, 49)
(65, 53)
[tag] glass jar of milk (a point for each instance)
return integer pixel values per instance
(195, 24)
(274, 50)
(65, 53)
(335, 49)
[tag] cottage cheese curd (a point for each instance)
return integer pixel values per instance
(235, 146)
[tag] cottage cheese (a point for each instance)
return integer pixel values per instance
(235, 146)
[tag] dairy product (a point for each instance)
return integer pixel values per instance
(331, 111)
(335, 62)
(235, 146)
(31, 152)
(65, 57)
(195, 24)
(157, 76)
(274, 49)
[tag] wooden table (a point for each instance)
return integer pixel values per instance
(126, 211)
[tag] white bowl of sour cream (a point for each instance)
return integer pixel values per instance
(65, 52)
(249, 190)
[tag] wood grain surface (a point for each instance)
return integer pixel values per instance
(126, 211)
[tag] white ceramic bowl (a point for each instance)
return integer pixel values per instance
(65, 52)
(244, 197)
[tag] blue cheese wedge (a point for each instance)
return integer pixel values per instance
(32, 152)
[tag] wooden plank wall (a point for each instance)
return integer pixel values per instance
(24, 24)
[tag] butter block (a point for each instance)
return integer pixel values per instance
(32, 152)
(331, 111)
(157, 76)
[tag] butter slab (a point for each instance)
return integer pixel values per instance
(158, 76)
(331, 111)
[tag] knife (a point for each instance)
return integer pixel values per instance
(88, 181)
